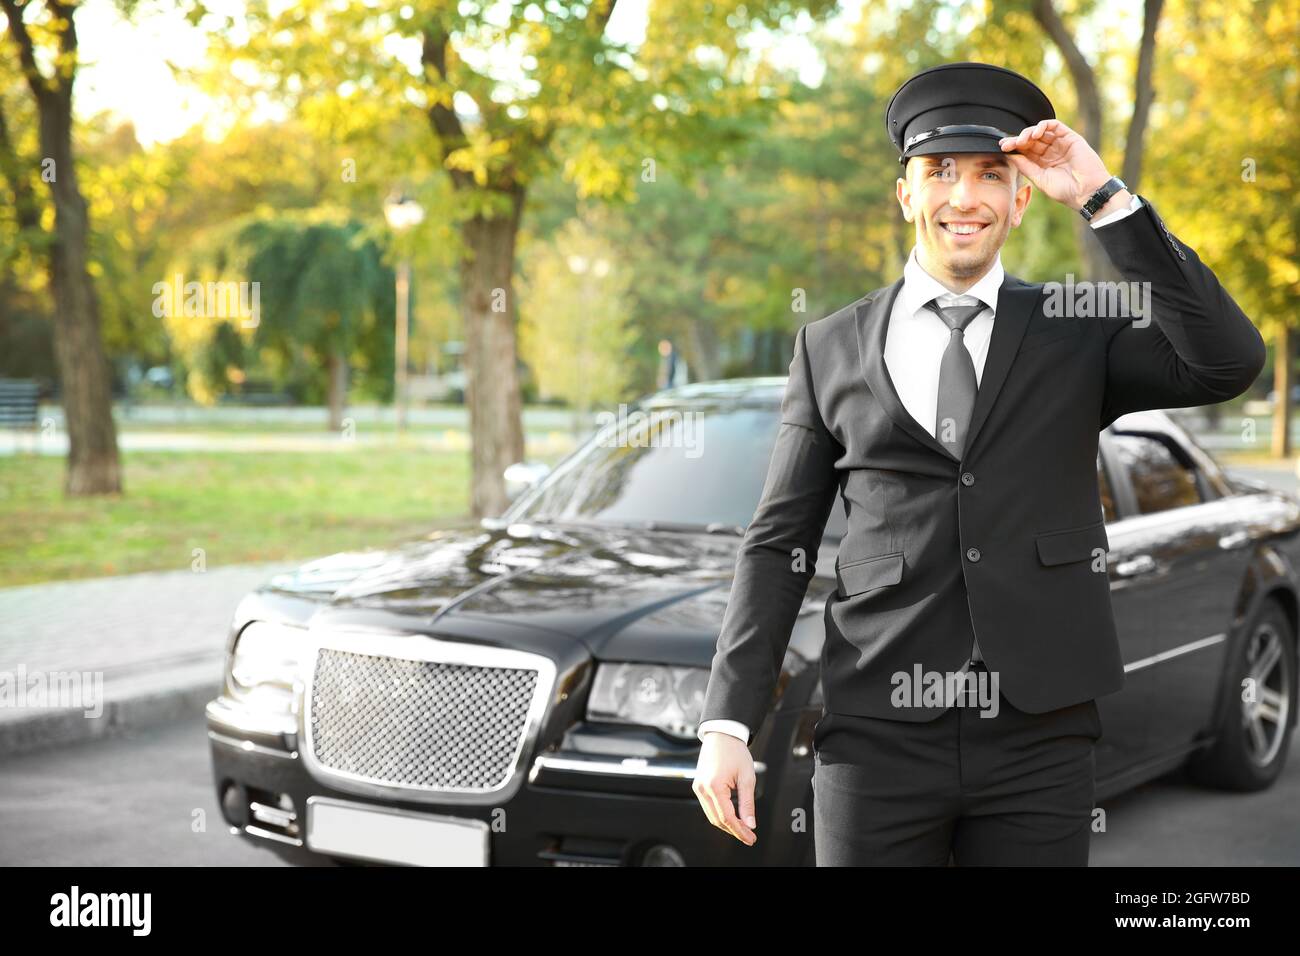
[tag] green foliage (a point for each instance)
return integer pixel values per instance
(575, 327)
(322, 289)
(743, 195)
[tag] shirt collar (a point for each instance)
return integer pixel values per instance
(919, 287)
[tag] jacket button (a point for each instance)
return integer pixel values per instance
(972, 554)
(967, 478)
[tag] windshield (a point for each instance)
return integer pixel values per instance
(686, 465)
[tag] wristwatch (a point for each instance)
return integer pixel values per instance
(1101, 196)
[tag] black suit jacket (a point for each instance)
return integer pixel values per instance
(1009, 539)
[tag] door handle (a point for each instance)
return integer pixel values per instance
(1142, 564)
(1235, 540)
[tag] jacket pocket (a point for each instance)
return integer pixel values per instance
(867, 573)
(1071, 544)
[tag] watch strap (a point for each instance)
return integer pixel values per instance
(1101, 197)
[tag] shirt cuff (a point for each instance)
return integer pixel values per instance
(733, 727)
(1134, 205)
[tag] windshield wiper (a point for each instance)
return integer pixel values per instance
(685, 527)
(713, 527)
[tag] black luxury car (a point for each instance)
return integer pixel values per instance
(527, 689)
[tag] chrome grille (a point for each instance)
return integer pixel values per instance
(433, 725)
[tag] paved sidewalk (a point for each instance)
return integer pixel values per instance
(156, 641)
(56, 443)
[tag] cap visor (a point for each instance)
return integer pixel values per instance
(955, 144)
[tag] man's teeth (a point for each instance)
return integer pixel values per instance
(960, 229)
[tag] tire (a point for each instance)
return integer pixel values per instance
(1250, 750)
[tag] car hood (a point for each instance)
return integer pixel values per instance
(602, 585)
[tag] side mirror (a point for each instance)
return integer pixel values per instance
(522, 475)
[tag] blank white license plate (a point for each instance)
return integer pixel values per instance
(394, 836)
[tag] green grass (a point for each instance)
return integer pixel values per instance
(237, 507)
(272, 426)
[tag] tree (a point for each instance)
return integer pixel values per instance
(48, 33)
(1092, 109)
(511, 91)
(321, 296)
(575, 331)
(1226, 149)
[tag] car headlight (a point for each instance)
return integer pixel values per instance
(265, 664)
(655, 695)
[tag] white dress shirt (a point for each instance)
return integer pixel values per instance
(915, 341)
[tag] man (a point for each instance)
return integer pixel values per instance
(957, 412)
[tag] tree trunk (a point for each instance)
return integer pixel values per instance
(1282, 391)
(489, 310)
(1144, 94)
(93, 464)
(705, 363)
(1096, 265)
(338, 388)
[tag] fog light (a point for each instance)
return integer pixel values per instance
(661, 854)
(274, 811)
(234, 804)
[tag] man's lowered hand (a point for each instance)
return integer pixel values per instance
(726, 766)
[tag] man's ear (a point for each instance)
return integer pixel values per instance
(903, 190)
(1020, 201)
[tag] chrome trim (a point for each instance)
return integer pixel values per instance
(1238, 539)
(268, 835)
(274, 816)
(621, 767)
(1175, 652)
(406, 645)
(249, 747)
(234, 715)
(1142, 564)
(954, 129)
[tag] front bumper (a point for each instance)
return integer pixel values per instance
(598, 796)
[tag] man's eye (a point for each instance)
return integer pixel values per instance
(989, 172)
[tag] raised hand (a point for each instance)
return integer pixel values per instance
(1058, 161)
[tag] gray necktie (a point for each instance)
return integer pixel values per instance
(957, 382)
(957, 387)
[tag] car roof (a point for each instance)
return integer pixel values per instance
(771, 388)
(740, 390)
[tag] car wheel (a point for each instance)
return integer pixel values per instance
(1259, 694)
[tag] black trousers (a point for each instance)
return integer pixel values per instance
(1015, 789)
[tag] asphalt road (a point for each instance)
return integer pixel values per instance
(125, 801)
(133, 800)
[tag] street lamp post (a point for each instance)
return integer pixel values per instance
(402, 213)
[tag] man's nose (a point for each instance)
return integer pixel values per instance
(958, 195)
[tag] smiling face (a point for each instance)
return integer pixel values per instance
(964, 205)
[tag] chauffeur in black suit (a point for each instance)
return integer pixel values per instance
(957, 412)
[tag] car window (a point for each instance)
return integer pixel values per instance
(1107, 499)
(686, 465)
(1160, 481)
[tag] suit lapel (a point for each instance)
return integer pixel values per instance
(1016, 300)
(872, 322)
